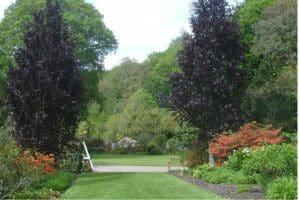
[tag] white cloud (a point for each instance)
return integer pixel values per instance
(142, 26)
(3, 5)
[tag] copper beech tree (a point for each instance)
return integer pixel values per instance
(207, 91)
(44, 90)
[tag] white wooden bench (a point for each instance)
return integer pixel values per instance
(87, 156)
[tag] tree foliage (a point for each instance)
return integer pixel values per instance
(275, 101)
(207, 91)
(161, 66)
(271, 93)
(119, 83)
(276, 33)
(45, 90)
(248, 14)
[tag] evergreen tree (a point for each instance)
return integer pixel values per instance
(45, 90)
(207, 91)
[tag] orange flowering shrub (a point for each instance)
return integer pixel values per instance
(250, 135)
(44, 162)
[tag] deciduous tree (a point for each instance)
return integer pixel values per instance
(45, 90)
(207, 91)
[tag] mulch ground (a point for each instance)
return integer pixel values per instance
(225, 190)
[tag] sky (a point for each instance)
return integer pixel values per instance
(140, 26)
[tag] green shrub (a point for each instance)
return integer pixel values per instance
(290, 138)
(239, 178)
(236, 159)
(282, 188)
(95, 145)
(30, 194)
(218, 175)
(57, 182)
(201, 170)
(14, 176)
(144, 139)
(33, 193)
(71, 159)
(221, 175)
(49, 187)
(272, 161)
(153, 148)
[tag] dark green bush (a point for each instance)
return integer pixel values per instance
(57, 182)
(221, 175)
(218, 175)
(153, 148)
(270, 162)
(282, 188)
(239, 178)
(201, 170)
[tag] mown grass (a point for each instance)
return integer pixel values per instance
(130, 159)
(134, 186)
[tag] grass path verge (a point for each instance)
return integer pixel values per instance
(134, 186)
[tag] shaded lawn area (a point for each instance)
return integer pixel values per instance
(130, 159)
(134, 186)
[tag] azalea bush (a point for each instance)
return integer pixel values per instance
(250, 135)
(14, 174)
(44, 162)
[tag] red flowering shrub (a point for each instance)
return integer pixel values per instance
(44, 162)
(250, 135)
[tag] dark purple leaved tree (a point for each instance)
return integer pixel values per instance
(207, 92)
(45, 91)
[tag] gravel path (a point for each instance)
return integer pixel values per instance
(133, 169)
(225, 190)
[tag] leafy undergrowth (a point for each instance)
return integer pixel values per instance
(134, 186)
(221, 175)
(50, 187)
(273, 167)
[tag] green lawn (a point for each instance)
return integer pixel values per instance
(130, 159)
(134, 186)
